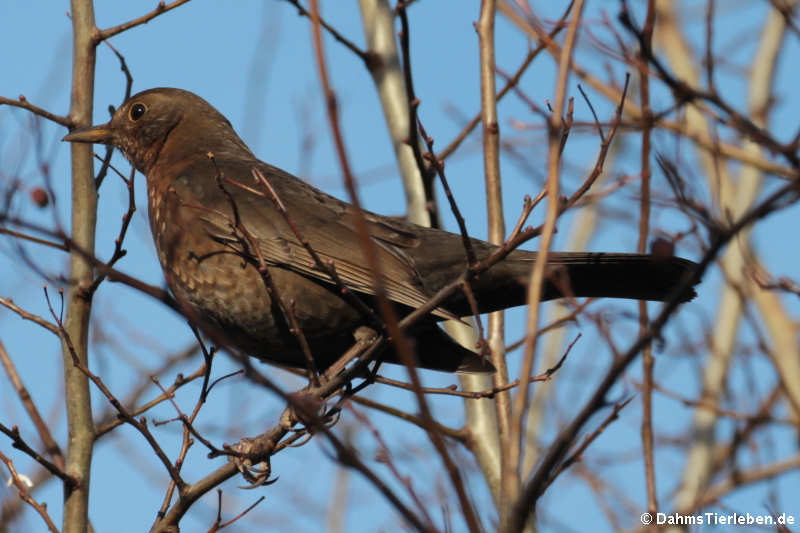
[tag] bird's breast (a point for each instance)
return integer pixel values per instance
(218, 285)
(227, 294)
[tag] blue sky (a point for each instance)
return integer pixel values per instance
(253, 61)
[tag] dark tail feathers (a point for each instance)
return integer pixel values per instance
(580, 274)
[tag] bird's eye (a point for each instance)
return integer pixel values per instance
(137, 110)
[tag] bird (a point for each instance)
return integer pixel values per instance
(217, 228)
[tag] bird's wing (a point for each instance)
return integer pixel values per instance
(328, 224)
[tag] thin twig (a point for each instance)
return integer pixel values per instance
(139, 425)
(578, 453)
(23, 103)
(456, 434)
(25, 495)
(347, 43)
(161, 8)
(9, 303)
(19, 443)
(52, 447)
(510, 84)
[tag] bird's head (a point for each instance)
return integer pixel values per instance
(150, 120)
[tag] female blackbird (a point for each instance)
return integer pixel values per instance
(214, 222)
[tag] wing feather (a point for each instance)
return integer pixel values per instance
(328, 224)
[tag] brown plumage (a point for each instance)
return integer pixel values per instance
(168, 133)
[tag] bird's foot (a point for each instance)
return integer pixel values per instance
(257, 474)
